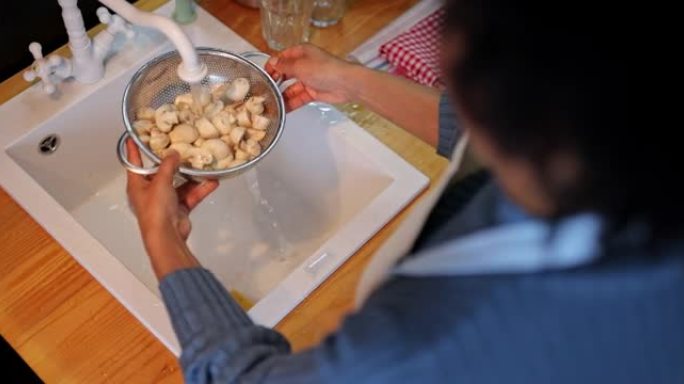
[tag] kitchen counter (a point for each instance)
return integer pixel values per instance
(68, 328)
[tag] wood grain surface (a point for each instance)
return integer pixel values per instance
(71, 330)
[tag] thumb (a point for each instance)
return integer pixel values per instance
(168, 168)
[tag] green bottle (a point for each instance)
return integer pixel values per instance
(184, 12)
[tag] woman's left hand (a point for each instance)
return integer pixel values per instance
(162, 210)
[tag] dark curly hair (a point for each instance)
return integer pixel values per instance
(544, 77)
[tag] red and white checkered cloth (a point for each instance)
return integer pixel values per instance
(415, 53)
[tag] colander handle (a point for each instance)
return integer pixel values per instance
(248, 55)
(123, 159)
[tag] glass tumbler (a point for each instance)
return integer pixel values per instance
(327, 12)
(285, 23)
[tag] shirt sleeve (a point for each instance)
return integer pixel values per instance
(449, 127)
(220, 344)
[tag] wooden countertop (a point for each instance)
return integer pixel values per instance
(70, 329)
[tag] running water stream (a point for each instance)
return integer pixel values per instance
(265, 215)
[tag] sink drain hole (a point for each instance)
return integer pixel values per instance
(49, 144)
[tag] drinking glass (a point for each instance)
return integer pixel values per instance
(285, 23)
(327, 12)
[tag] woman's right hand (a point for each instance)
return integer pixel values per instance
(320, 76)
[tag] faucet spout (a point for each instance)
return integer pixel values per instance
(86, 68)
(192, 70)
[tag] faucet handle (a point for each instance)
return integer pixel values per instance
(36, 50)
(115, 23)
(40, 68)
(47, 69)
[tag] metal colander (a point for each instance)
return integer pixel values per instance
(157, 83)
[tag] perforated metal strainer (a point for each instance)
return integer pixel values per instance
(156, 83)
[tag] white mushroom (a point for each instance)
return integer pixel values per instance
(236, 162)
(217, 148)
(238, 89)
(165, 117)
(203, 97)
(260, 122)
(236, 135)
(255, 134)
(206, 129)
(218, 91)
(143, 127)
(225, 163)
(241, 155)
(159, 140)
(183, 133)
(223, 121)
(183, 150)
(243, 118)
(212, 109)
(251, 147)
(184, 101)
(232, 108)
(255, 104)
(186, 116)
(145, 113)
(199, 157)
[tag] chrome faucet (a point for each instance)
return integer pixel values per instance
(88, 55)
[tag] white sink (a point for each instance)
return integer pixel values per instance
(325, 189)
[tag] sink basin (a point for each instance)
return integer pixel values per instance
(273, 234)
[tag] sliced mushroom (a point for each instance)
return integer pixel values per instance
(236, 162)
(243, 118)
(255, 134)
(236, 135)
(238, 89)
(212, 109)
(145, 113)
(183, 150)
(251, 147)
(184, 101)
(217, 148)
(202, 97)
(260, 122)
(186, 116)
(206, 129)
(241, 155)
(165, 117)
(199, 157)
(143, 127)
(183, 133)
(218, 91)
(223, 121)
(255, 105)
(232, 108)
(224, 163)
(159, 140)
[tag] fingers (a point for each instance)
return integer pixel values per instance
(294, 90)
(133, 154)
(271, 68)
(297, 95)
(191, 193)
(284, 65)
(168, 168)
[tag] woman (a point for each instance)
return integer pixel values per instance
(566, 265)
